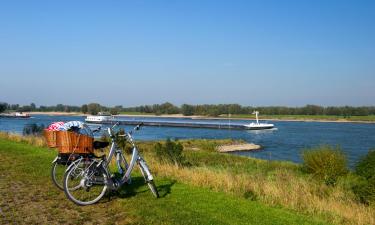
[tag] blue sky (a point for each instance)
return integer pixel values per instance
(143, 52)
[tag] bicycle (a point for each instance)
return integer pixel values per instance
(88, 179)
(62, 161)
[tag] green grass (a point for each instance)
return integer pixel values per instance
(275, 183)
(203, 153)
(236, 164)
(29, 197)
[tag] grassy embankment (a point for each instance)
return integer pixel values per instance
(216, 188)
(28, 197)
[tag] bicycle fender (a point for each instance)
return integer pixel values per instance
(55, 160)
(144, 165)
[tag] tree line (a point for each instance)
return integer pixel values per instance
(91, 108)
(220, 109)
(189, 110)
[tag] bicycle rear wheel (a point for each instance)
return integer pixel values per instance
(57, 174)
(85, 183)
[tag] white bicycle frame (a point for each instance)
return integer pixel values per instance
(115, 151)
(135, 159)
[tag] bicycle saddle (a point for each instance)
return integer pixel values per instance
(100, 144)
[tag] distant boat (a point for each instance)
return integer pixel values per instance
(257, 125)
(101, 117)
(15, 115)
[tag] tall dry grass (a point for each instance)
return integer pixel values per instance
(31, 139)
(281, 188)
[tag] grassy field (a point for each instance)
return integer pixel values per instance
(244, 182)
(28, 197)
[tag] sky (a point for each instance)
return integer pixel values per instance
(258, 53)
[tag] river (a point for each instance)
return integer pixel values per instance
(283, 143)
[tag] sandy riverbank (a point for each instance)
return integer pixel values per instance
(239, 147)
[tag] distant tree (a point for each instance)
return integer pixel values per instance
(187, 110)
(59, 108)
(3, 106)
(234, 109)
(361, 111)
(84, 108)
(104, 108)
(43, 108)
(148, 109)
(93, 108)
(67, 108)
(213, 111)
(32, 107)
(167, 108)
(114, 111)
(25, 108)
(14, 106)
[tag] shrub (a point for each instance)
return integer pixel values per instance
(325, 162)
(33, 129)
(170, 152)
(366, 166)
(365, 190)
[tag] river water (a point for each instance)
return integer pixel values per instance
(283, 143)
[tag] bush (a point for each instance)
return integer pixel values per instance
(326, 163)
(170, 152)
(33, 129)
(366, 166)
(365, 190)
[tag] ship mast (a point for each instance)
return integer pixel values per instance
(256, 116)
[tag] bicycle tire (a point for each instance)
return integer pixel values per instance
(152, 186)
(57, 176)
(73, 177)
(150, 183)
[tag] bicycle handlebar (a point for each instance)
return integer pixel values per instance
(127, 134)
(138, 126)
(116, 124)
(97, 129)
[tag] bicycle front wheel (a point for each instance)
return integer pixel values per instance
(152, 187)
(85, 183)
(146, 175)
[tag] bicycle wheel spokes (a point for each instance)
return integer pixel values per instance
(85, 185)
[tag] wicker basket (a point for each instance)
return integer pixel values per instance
(71, 142)
(50, 137)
